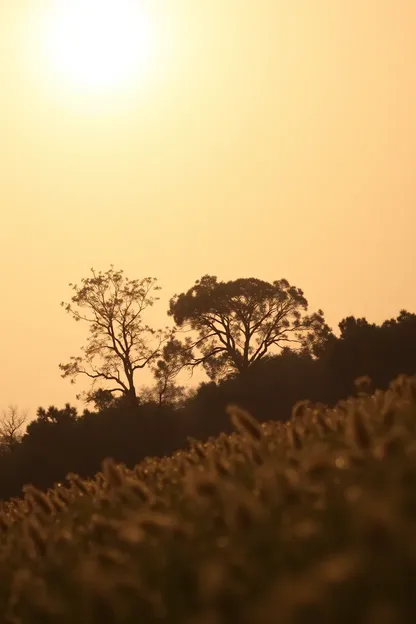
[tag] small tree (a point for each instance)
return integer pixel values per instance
(54, 415)
(165, 372)
(11, 424)
(101, 399)
(119, 343)
(171, 395)
(238, 322)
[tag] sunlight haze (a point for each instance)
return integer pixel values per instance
(240, 138)
(97, 45)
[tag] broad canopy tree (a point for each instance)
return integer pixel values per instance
(119, 342)
(239, 322)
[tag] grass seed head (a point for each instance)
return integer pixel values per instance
(36, 538)
(300, 408)
(400, 386)
(223, 468)
(294, 438)
(156, 523)
(244, 422)
(199, 450)
(359, 432)
(140, 490)
(39, 499)
(57, 502)
(227, 444)
(256, 456)
(112, 473)
(322, 421)
(78, 484)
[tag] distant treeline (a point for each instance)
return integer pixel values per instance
(60, 441)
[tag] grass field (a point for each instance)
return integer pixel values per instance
(309, 521)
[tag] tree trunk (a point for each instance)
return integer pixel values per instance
(132, 398)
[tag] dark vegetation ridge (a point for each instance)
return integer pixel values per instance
(257, 342)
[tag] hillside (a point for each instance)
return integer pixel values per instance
(313, 520)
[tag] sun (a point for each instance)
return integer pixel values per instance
(98, 45)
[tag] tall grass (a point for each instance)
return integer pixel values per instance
(313, 520)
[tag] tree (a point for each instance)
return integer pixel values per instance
(239, 322)
(11, 424)
(381, 352)
(56, 416)
(103, 399)
(119, 342)
(169, 395)
(166, 391)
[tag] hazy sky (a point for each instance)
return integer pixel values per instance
(268, 138)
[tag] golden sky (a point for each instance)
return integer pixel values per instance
(266, 138)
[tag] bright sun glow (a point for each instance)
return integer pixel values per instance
(98, 45)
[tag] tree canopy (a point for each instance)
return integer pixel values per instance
(238, 322)
(119, 342)
(165, 371)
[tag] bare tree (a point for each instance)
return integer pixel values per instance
(11, 424)
(119, 343)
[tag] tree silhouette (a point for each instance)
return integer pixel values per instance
(101, 399)
(166, 391)
(381, 352)
(11, 424)
(119, 342)
(54, 415)
(239, 322)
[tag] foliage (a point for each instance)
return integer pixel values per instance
(363, 348)
(119, 343)
(238, 322)
(313, 520)
(166, 391)
(103, 399)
